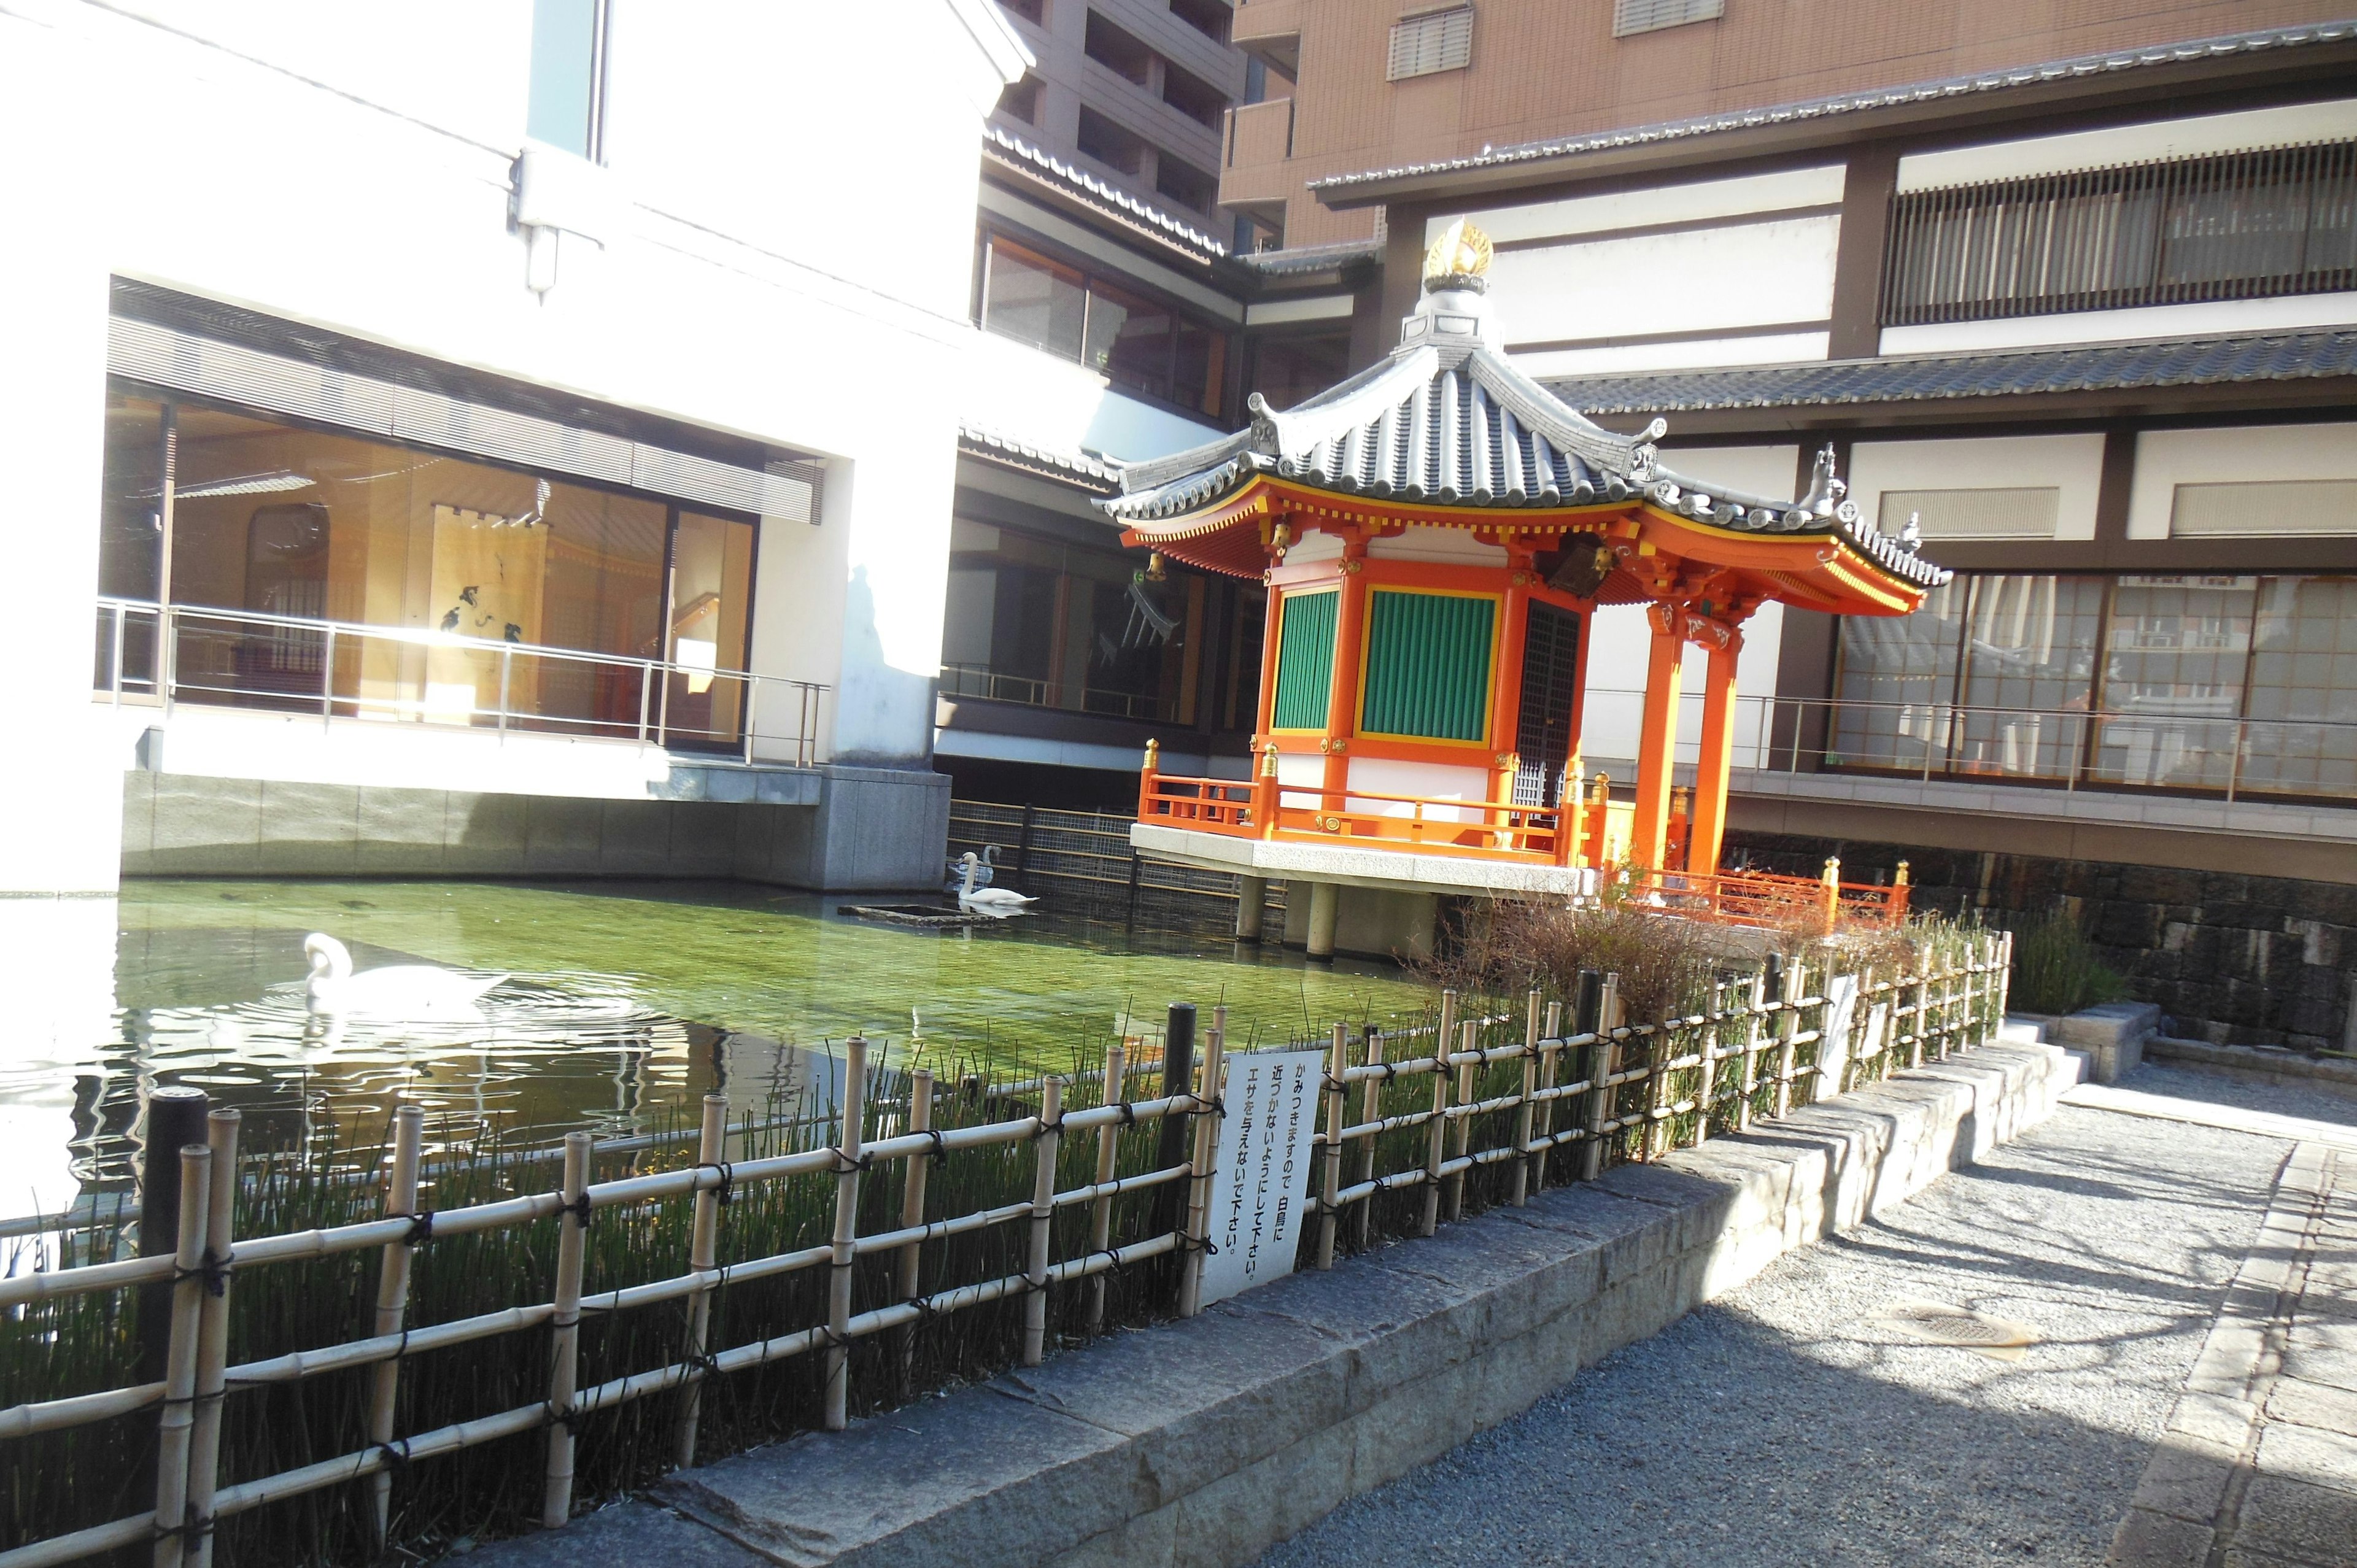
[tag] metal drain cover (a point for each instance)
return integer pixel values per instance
(1943, 1323)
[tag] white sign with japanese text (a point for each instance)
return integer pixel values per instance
(1260, 1185)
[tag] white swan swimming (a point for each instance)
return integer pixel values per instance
(407, 990)
(988, 900)
(984, 875)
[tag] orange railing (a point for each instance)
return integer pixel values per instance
(1590, 832)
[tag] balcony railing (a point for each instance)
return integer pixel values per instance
(980, 681)
(2164, 745)
(1592, 832)
(168, 654)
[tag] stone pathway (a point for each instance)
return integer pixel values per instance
(2187, 1268)
(2258, 1464)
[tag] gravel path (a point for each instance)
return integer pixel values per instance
(1776, 1426)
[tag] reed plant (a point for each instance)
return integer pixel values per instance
(2056, 968)
(87, 1343)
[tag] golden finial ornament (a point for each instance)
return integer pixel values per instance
(1460, 252)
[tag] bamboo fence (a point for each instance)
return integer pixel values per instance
(1451, 1115)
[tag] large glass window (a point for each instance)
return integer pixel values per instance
(277, 530)
(2174, 668)
(1035, 620)
(1132, 340)
(2240, 684)
(2230, 226)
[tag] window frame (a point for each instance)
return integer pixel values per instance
(594, 131)
(994, 232)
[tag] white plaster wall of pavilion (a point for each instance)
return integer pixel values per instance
(784, 254)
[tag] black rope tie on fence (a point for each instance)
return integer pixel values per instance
(196, 1529)
(834, 1341)
(579, 1209)
(1114, 1262)
(849, 1164)
(395, 1456)
(421, 1227)
(213, 1270)
(1206, 1246)
(704, 1363)
(1391, 1070)
(1128, 1112)
(926, 1310)
(941, 1150)
(725, 1192)
(570, 1419)
(1042, 1127)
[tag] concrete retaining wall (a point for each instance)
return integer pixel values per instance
(1202, 1443)
(861, 828)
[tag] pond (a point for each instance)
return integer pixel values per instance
(626, 1003)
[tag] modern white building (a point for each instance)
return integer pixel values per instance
(487, 437)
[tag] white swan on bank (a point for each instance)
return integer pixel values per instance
(406, 991)
(988, 900)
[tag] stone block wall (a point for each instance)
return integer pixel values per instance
(2228, 958)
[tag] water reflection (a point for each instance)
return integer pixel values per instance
(624, 1006)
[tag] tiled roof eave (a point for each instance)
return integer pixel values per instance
(2078, 67)
(2038, 371)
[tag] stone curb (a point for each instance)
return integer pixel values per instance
(1203, 1443)
(2255, 1065)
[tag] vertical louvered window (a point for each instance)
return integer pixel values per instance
(1436, 41)
(1427, 671)
(1305, 658)
(2247, 225)
(1649, 15)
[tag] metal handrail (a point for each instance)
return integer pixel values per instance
(1777, 731)
(167, 684)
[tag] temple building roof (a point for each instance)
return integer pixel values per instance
(1447, 432)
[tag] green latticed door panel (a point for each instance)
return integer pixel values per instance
(1305, 660)
(1427, 673)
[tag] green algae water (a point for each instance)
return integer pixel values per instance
(624, 1005)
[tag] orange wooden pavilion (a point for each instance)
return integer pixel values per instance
(1435, 534)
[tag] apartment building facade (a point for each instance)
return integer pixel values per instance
(2068, 290)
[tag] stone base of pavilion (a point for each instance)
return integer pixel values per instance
(1377, 903)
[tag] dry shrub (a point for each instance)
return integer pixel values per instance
(1504, 948)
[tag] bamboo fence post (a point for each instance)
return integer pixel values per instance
(1758, 997)
(1043, 1222)
(1331, 1163)
(913, 1173)
(392, 1300)
(1788, 1024)
(2004, 980)
(1523, 1108)
(1435, 1141)
(565, 1375)
(173, 1427)
(1601, 1049)
(1460, 1128)
(1707, 1075)
(1370, 1109)
(1966, 1018)
(703, 1258)
(1207, 1146)
(1100, 1210)
(1661, 1047)
(212, 1337)
(846, 1231)
(1922, 1020)
(1550, 1062)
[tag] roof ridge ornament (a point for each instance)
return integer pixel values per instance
(1827, 488)
(1460, 259)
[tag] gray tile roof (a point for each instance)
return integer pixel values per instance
(2007, 372)
(1101, 476)
(2106, 63)
(1085, 186)
(1446, 421)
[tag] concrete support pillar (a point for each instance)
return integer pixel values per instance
(1657, 739)
(1252, 902)
(1324, 896)
(1708, 825)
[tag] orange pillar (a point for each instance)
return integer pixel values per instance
(1717, 753)
(1657, 740)
(1342, 698)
